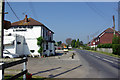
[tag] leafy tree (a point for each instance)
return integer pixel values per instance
(68, 41)
(59, 43)
(77, 43)
(116, 40)
(73, 43)
(81, 43)
(40, 41)
(116, 44)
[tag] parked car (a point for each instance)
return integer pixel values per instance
(7, 54)
(34, 55)
(65, 49)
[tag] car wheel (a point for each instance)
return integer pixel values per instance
(7, 57)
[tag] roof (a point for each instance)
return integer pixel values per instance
(109, 30)
(30, 22)
(7, 24)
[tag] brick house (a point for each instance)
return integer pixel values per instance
(105, 37)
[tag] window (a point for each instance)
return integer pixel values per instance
(18, 42)
(32, 51)
(47, 46)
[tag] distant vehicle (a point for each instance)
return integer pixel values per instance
(70, 47)
(65, 49)
(34, 55)
(7, 54)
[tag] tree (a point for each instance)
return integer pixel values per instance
(116, 40)
(68, 41)
(59, 43)
(77, 44)
(73, 43)
(40, 41)
(116, 44)
(81, 43)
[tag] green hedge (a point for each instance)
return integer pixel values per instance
(104, 46)
(116, 49)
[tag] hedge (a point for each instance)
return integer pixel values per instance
(116, 49)
(104, 46)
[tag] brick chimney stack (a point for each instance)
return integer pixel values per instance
(26, 19)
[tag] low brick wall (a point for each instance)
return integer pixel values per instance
(108, 50)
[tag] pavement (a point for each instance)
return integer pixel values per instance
(59, 66)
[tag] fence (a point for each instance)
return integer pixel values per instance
(108, 50)
(5, 64)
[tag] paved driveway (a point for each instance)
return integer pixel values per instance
(61, 66)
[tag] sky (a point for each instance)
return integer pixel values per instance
(76, 20)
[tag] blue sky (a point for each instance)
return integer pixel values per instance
(68, 19)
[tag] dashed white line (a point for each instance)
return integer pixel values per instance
(107, 60)
(97, 56)
(91, 54)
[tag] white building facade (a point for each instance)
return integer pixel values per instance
(31, 29)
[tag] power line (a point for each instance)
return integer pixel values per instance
(12, 10)
(98, 11)
(33, 10)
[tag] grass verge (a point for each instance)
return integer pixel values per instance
(7, 76)
(109, 54)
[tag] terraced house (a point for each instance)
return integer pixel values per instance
(25, 33)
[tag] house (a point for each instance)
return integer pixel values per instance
(31, 29)
(105, 37)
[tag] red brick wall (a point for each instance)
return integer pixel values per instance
(107, 38)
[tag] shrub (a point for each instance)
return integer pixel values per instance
(104, 46)
(116, 39)
(86, 47)
(116, 49)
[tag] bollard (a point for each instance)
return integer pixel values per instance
(1, 72)
(73, 55)
(24, 68)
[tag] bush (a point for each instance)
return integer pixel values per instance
(116, 39)
(104, 46)
(86, 47)
(116, 49)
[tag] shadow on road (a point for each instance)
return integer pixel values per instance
(46, 71)
(52, 76)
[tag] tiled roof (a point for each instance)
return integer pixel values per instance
(109, 30)
(31, 22)
(7, 24)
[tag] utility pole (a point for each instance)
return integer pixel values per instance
(2, 3)
(114, 24)
(119, 16)
(88, 38)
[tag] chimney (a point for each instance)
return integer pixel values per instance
(26, 19)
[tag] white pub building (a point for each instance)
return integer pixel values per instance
(21, 38)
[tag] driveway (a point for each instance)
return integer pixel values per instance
(60, 66)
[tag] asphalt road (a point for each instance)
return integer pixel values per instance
(99, 65)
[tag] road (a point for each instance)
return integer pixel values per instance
(99, 65)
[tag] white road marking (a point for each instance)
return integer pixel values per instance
(91, 54)
(97, 56)
(107, 60)
(116, 60)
